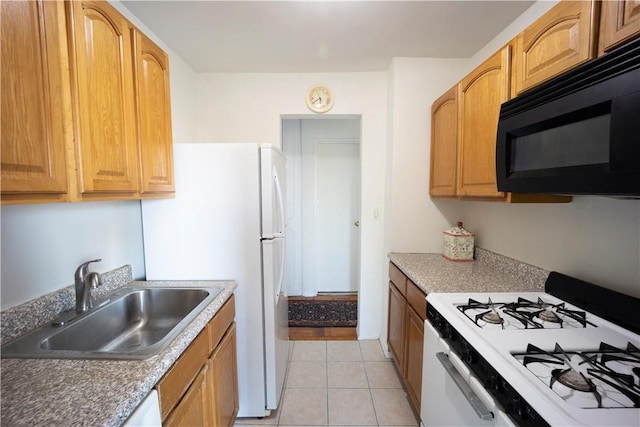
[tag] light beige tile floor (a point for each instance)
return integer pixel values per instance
(340, 383)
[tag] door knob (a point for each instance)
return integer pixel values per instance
(357, 223)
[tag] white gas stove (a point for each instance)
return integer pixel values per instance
(533, 358)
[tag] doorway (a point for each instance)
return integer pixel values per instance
(323, 205)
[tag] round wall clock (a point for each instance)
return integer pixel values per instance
(319, 99)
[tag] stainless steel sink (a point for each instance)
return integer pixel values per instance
(133, 323)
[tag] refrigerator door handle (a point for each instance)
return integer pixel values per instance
(282, 216)
(280, 274)
(279, 196)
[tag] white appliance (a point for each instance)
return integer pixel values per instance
(227, 221)
(147, 414)
(532, 359)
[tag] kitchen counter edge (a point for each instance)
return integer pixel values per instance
(81, 392)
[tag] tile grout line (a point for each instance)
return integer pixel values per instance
(364, 366)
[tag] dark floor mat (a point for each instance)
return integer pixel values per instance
(323, 314)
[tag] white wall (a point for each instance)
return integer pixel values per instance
(250, 107)
(413, 220)
(43, 244)
(414, 217)
(596, 239)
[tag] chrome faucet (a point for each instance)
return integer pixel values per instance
(85, 281)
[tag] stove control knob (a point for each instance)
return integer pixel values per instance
(469, 355)
(517, 407)
(437, 321)
(445, 329)
(446, 332)
(495, 383)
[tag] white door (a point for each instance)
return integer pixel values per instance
(323, 204)
(337, 214)
(330, 205)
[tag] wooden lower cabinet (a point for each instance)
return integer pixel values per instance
(194, 408)
(396, 325)
(413, 359)
(201, 388)
(223, 378)
(407, 312)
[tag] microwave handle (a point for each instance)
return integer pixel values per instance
(472, 398)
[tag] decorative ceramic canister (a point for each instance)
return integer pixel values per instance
(458, 244)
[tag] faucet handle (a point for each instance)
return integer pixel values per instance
(93, 280)
(81, 271)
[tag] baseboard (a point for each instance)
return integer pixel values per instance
(337, 293)
(328, 334)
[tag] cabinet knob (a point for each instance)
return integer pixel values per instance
(357, 223)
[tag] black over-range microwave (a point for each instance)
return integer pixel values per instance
(578, 133)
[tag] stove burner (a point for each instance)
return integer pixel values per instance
(574, 380)
(492, 317)
(549, 316)
(606, 373)
(523, 314)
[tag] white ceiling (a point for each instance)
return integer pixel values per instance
(321, 36)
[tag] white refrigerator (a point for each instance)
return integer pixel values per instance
(227, 221)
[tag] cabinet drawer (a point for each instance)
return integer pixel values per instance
(398, 278)
(417, 299)
(220, 323)
(177, 380)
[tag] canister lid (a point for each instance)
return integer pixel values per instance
(458, 230)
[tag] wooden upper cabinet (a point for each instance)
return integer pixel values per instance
(36, 106)
(480, 95)
(561, 39)
(444, 144)
(620, 23)
(153, 113)
(102, 85)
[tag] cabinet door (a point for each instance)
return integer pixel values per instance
(153, 112)
(415, 343)
(36, 105)
(444, 144)
(102, 78)
(396, 325)
(561, 39)
(620, 22)
(195, 407)
(223, 380)
(480, 95)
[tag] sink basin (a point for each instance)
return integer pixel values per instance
(133, 323)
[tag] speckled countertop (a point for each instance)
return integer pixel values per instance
(66, 392)
(490, 272)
